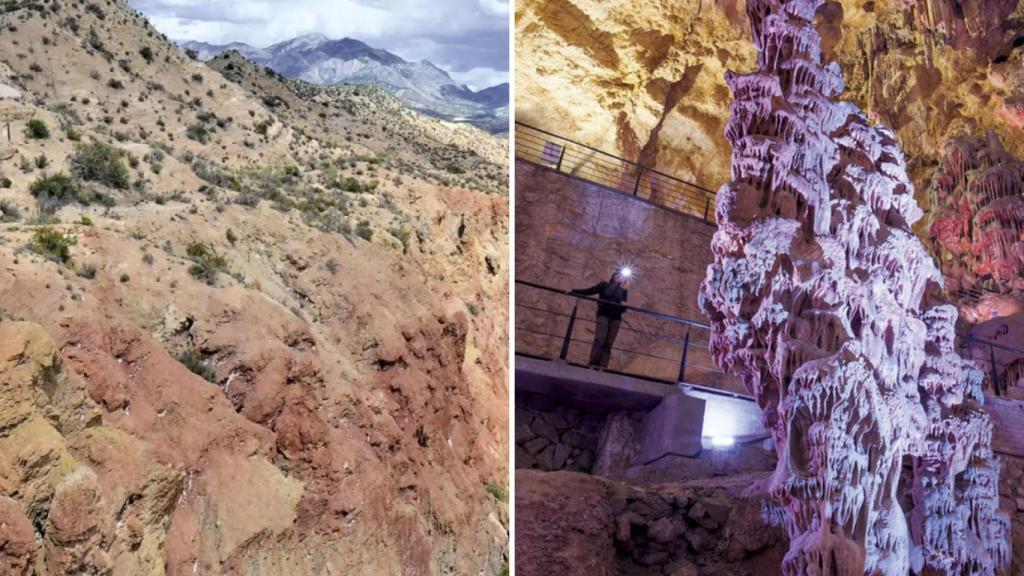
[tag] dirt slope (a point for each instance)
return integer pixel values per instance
(231, 344)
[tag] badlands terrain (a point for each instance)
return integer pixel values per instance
(247, 325)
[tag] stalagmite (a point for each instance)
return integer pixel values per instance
(818, 299)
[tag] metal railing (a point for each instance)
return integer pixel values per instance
(1002, 365)
(666, 348)
(555, 324)
(588, 163)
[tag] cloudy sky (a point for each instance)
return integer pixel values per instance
(468, 38)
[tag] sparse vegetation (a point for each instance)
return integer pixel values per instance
(364, 231)
(87, 271)
(52, 244)
(9, 212)
(403, 236)
(198, 132)
(53, 192)
(147, 54)
(36, 129)
(206, 263)
(498, 491)
(99, 162)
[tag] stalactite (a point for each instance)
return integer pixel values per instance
(815, 300)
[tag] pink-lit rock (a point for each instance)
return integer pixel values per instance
(977, 227)
(818, 299)
(976, 231)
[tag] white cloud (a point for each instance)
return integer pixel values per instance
(466, 37)
(480, 78)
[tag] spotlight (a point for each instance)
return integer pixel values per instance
(722, 441)
(626, 272)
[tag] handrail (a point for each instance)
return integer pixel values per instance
(989, 343)
(645, 168)
(656, 314)
(993, 376)
(586, 162)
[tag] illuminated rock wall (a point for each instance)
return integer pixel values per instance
(643, 79)
(976, 230)
(818, 300)
(977, 223)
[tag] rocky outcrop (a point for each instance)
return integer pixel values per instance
(818, 299)
(706, 529)
(79, 495)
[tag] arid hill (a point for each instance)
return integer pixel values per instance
(234, 341)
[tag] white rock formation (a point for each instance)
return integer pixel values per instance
(818, 299)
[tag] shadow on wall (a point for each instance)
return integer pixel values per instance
(573, 234)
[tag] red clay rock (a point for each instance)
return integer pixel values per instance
(17, 539)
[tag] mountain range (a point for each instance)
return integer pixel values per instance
(420, 85)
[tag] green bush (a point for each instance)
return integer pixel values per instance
(198, 132)
(9, 211)
(364, 231)
(147, 53)
(498, 491)
(52, 192)
(99, 162)
(53, 244)
(5, 182)
(115, 84)
(36, 129)
(403, 237)
(351, 184)
(206, 263)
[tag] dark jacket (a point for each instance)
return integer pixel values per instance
(612, 291)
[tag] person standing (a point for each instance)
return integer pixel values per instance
(609, 314)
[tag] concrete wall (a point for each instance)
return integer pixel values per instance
(571, 234)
